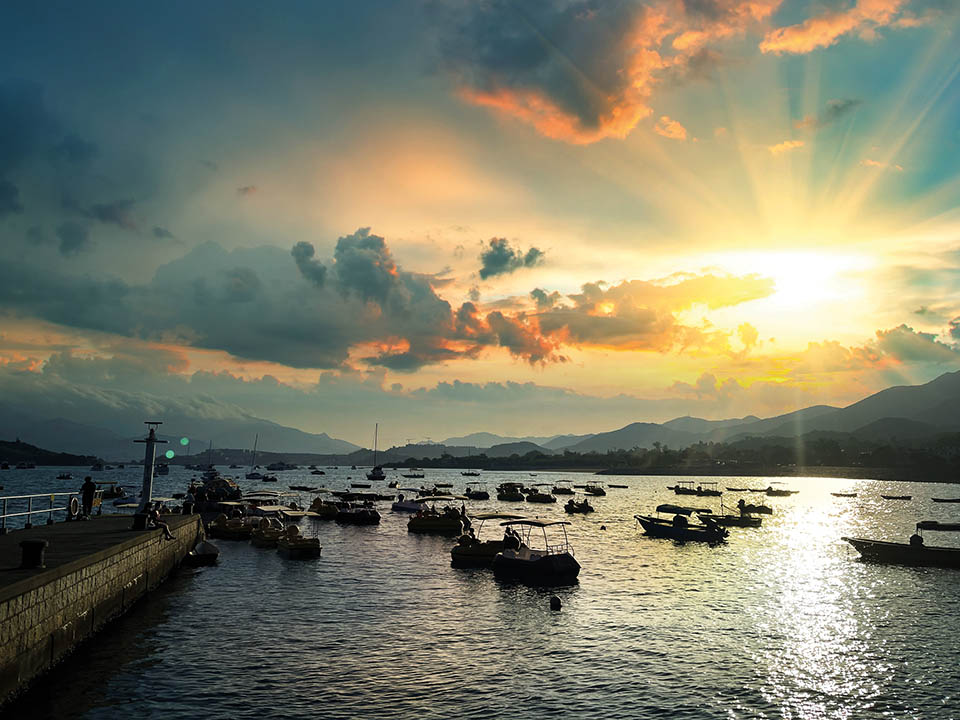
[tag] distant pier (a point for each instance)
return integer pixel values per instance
(95, 570)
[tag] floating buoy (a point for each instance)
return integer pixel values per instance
(603, 527)
(554, 603)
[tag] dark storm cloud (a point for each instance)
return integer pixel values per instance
(9, 198)
(312, 270)
(76, 151)
(499, 258)
(119, 213)
(834, 110)
(74, 238)
(36, 235)
(242, 285)
(26, 124)
(161, 233)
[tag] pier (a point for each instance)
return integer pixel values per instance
(93, 571)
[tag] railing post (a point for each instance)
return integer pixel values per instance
(3, 520)
(50, 514)
(28, 524)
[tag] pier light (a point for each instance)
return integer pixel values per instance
(149, 458)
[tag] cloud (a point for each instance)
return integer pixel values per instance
(311, 269)
(909, 345)
(76, 151)
(543, 300)
(247, 190)
(499, 258)
(878, 165)
(670, 129)
(823, 30)
(785, 146)
(117, 213)
(161, 233)
(748, 335)
(581, 71)
(74, 238)
(9, 198)
(834, 110)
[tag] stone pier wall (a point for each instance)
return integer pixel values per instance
(44, 617)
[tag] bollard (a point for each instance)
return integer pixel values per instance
(33, 553)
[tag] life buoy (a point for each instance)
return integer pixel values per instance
(74, 507)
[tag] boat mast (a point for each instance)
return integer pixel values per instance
(376, 431)
(253, 462)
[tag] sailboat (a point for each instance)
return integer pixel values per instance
(377, 472)
(253, 475)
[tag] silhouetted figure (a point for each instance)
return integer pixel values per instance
(511, 540)
(916, 540)
(741, 506)
(87, 493)
(153, 520)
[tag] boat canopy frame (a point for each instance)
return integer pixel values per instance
(556, 548)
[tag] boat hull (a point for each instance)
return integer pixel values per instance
(555, 569)
(475, 555)
(299, 549)
(435, 525)
(880, 551)
(660, 528)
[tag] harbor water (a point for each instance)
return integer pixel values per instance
(779, 622)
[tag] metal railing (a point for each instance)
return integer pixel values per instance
(51, 508)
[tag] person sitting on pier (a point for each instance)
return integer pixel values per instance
(153, 520)
(88, 491)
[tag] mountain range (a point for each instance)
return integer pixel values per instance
(906, 413)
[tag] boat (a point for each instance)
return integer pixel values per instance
(96, 467)
(470, 473)
(732, 489)
(360, 485)
(324, 509)
(582, 507)
(915, 552)
(404, 505)
(679, 527)
(554, 564)
(280, 466)
(897, 497)
(683, 487)
(562, 489)
(413, 476)
(594, 489)
(448, 521)
(376, 474)
(535, 496)
(746, 508)
(946, 500)
(64, 476)
(510, 492)
(476, 492)
(843, 494)
(779, 492)
(293, 546)
(730, 520)
(203, 553)
(470, 551)
(230, 529)
(304, 488)
(364, 514)
(317, 472)
(268, 478)
(619, 487)
(253, 474)
(111, 490)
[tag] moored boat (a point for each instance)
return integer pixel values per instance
(779, 492)
(204, 553)
(292, 545)
(364, 514)
(897, 497)
(510, 492)
(448, 521)
(583, 507)
(471, 551)
(915, 552)
(476, 491)
(554, 564)
(946, 500)
(594, 489)
(839, 494)
(679, 527)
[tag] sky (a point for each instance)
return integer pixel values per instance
(529, 218)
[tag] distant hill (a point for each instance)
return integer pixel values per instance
(699, 425)
(482, 440)
(637, 434)
(18, 452)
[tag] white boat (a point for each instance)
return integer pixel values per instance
(411, 505)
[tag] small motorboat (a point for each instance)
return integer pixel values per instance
(510, 492)
(267, 533)
(448, 521)
(552, 565)
(470, 551)
(476, 491)
(732, 489)
(779, 492)
(562, 489)
(582, 507)
(204, 553)
(404, 505)
(318, 472)
(230, 529)
(619, 487)
(413, 476)
(360, 485)
(679, 527)
(843, 494)
(687, 487)
(746, 508)
(594, 489)
(914, 552)
(364, 514)
(64, 476)
(946, 500)
(376, 475)
(897, 497)
(324, 509)
(540, 497)
(470, 473)
(269, 478)
(293, 546)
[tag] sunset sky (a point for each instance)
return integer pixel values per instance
(523, 217)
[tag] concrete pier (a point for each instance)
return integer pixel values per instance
(94, 571)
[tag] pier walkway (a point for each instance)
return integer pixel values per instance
(94, 571)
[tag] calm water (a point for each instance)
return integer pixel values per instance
(781, 622)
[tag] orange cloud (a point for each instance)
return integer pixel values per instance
(825, 29)
(670, 129)
(867, 162)
(785, 146)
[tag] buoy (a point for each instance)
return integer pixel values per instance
(554, 603)
(603, 527)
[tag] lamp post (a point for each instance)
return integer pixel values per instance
(149, 458)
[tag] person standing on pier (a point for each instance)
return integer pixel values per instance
(87, 492)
